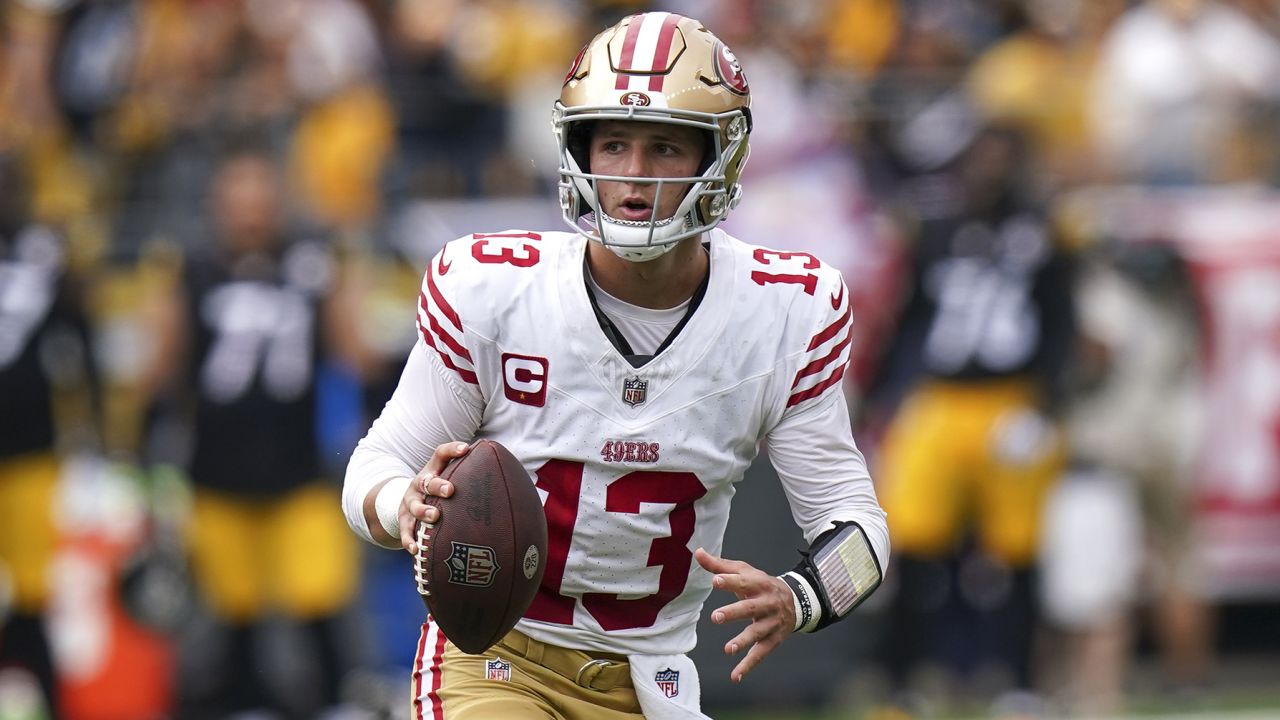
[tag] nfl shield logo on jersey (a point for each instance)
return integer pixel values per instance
(634, 391)
(497, 669)
(668, 682)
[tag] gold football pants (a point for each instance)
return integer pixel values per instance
(519, 678)
(968, 454)
(293, 553)
(28, 537)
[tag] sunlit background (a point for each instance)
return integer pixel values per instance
(1139, 138)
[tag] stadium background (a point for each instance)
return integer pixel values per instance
(405, 123)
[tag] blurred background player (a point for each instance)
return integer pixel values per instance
(973, 446)
(47, 410)
(1133, 420)
(240, 344)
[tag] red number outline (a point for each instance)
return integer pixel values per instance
(562, 480)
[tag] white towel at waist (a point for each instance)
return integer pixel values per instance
(667, 687)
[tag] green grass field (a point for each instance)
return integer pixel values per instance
(1266, 711)
(1250, 704)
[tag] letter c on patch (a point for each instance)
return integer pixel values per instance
(524, 379)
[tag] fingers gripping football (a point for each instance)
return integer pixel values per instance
(763, 600)
(481, 543)
(427, 484)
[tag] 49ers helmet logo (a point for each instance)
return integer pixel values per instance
(637, 99)
(577, 63)
(729, 70)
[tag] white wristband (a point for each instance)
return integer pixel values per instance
(387, 504)
(808, 610)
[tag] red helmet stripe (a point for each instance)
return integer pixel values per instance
(628, 51)
(665, 36)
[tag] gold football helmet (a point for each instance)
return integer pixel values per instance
(654, 67)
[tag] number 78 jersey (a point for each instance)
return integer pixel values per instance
(637, 466)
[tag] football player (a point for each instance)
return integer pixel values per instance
(49, 391)
(634, 365)
(974, 447)
(239, 338)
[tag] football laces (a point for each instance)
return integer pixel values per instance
(420, 558)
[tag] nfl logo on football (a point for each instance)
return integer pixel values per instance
(634, 391)
(497, 669)
(473, 565)
(668, 682)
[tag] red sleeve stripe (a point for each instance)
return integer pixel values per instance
(830, 331)
(816, 390)
(458, 348)
(836, 351)
(466, 375)
(438, 297)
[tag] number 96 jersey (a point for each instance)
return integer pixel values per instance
(636, 466)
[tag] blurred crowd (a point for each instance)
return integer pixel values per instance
(1056, 219)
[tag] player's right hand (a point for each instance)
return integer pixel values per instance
(764, 601)
(427, 483)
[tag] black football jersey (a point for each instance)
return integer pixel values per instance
(43, 337)
(256, 346)
(991, 298)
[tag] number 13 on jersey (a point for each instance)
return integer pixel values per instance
(562, 481)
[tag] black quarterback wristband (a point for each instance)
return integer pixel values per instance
(842, 569)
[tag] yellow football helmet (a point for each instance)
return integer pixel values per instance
(654, 67)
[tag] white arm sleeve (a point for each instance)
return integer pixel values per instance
(425, 411)
(824, 474)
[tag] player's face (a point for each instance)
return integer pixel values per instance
(643, 149)
(246, 198)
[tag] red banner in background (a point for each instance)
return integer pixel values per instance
(1232, 244)
(1230, 239)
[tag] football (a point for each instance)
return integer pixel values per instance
(479, 567)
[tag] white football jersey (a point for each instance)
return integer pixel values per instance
(636, 466)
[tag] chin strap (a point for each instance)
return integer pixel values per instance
(644, 254)
(834, 576)
(603, 228)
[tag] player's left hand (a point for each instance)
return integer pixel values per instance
(763, 599)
